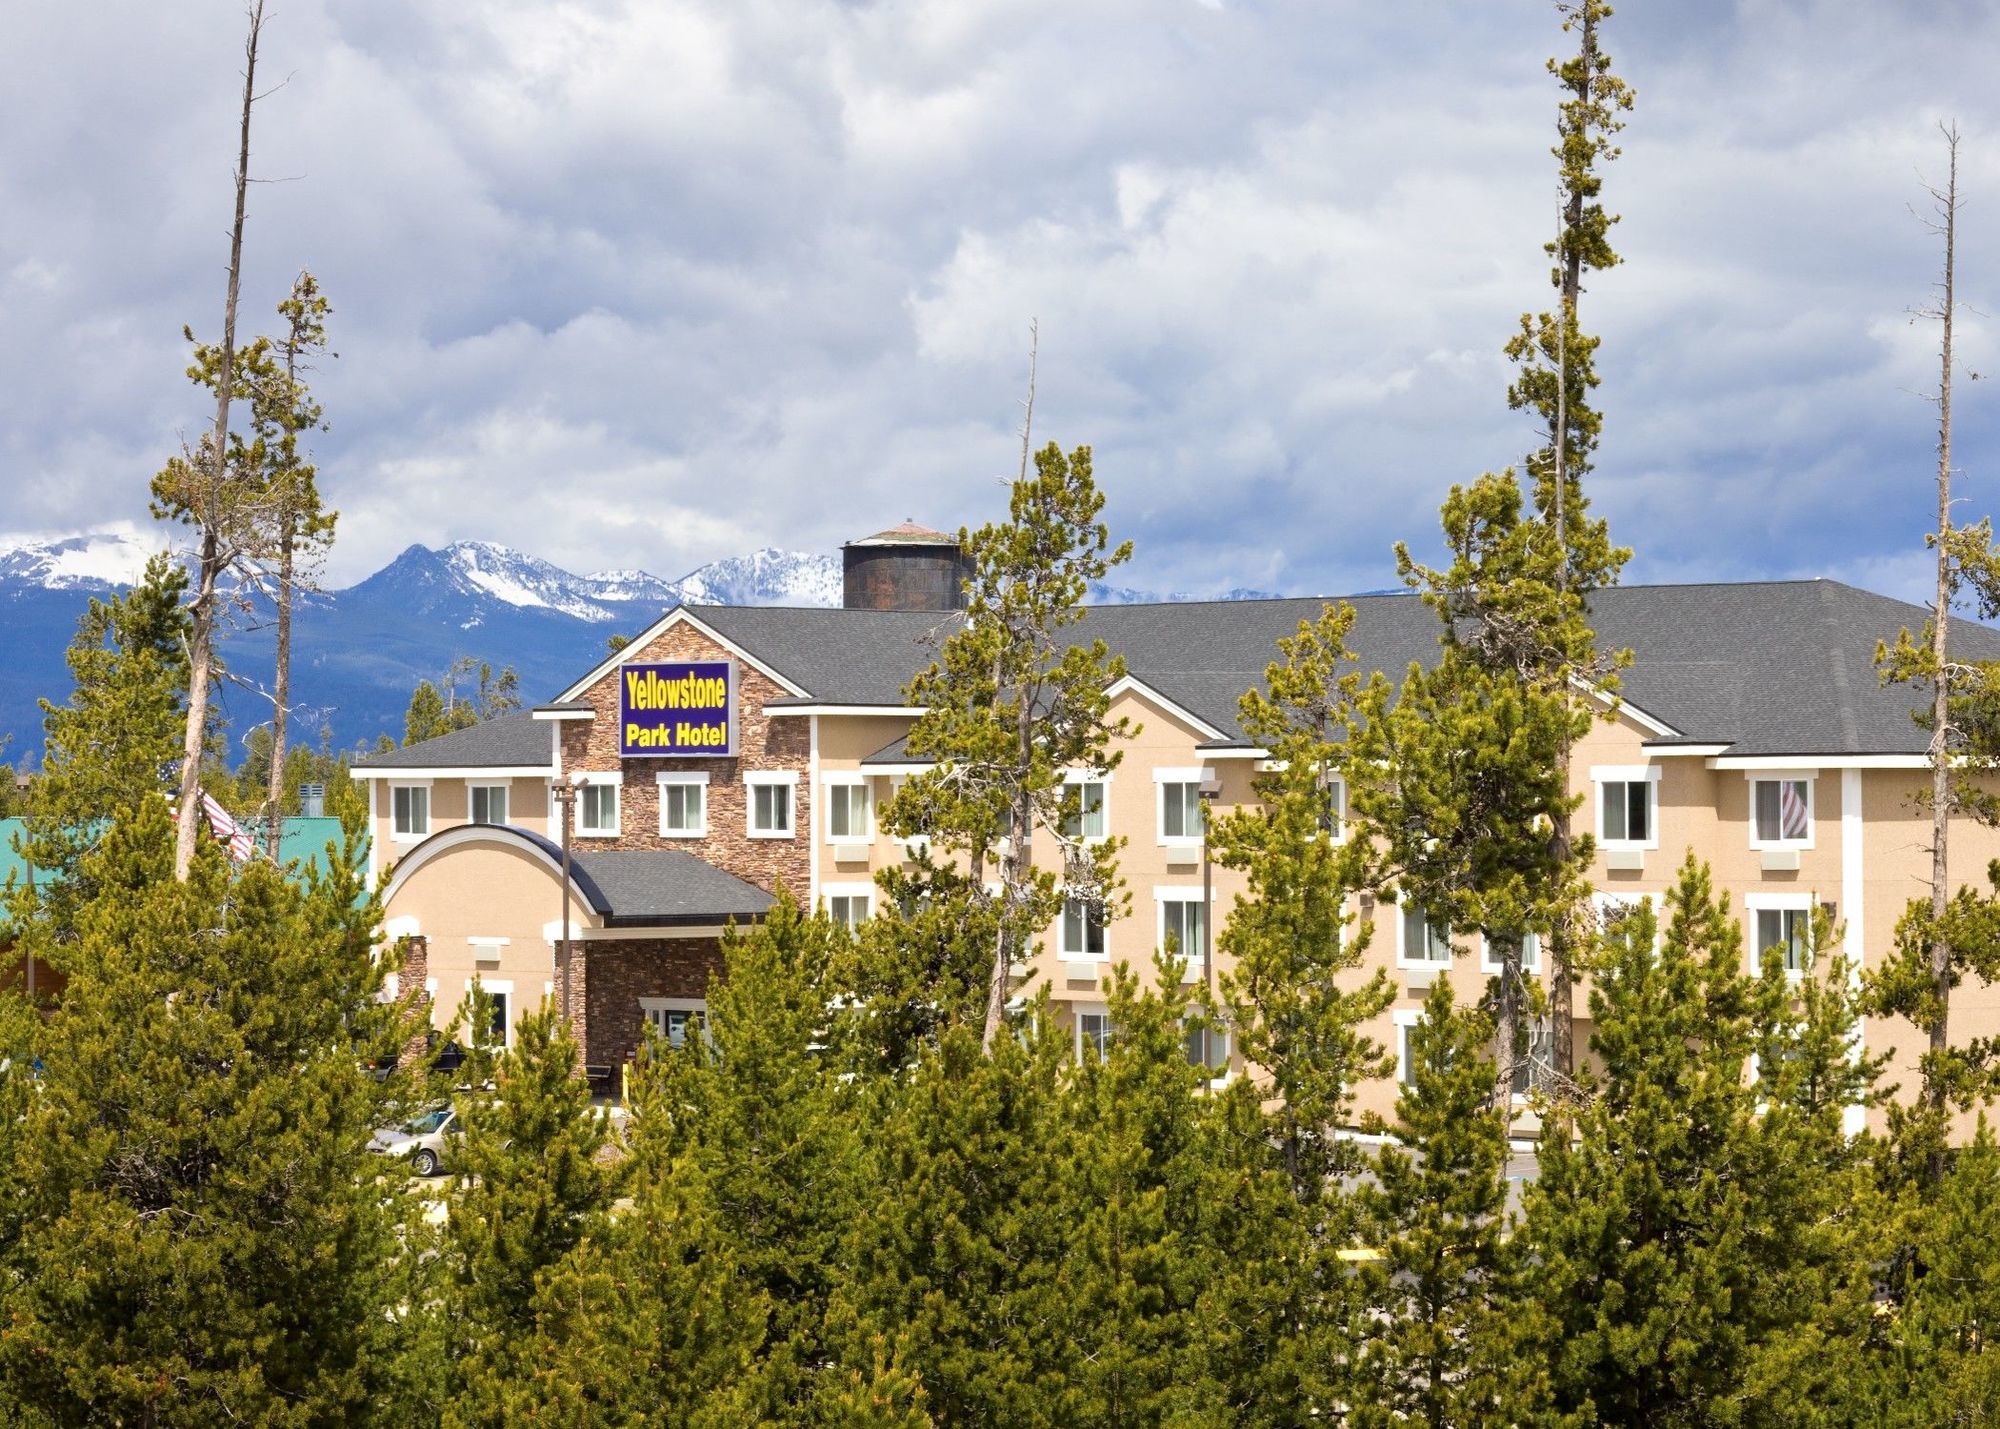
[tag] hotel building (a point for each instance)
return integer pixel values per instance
(1752, 729)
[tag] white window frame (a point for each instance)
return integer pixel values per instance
(786, 779)
(1196, 776)
(1531, 954)
(1403, 957)
(1226, 1035)
(650, 1005)
(596, 779)
(1756, 903)
(830, 891)
(1403, 1019)
(499, 987)
(1162, 896)
(1646, 774)
(1336, 788)
(682, 779)
(1101, 778)
(475, 787)
(1070, 955)
(844, 780)
(396, 834)
(1080, 1010)
(1776, 776)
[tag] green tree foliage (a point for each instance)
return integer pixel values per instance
(203, 1236)
(529, 1186)
(1012, 706)
(1697, 1227)
(1435, 1213)
(434, 711)
(113, 747)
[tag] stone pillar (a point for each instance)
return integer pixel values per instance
(413, 1003)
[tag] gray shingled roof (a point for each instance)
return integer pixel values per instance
(639, 888)
(511, 740)
(1770, 668)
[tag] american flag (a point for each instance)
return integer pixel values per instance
(225, 828)
(1791, 809)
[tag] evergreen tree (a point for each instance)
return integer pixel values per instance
(425, 717)
(203, 1236)
(1011, 707)
(1436, 1213)
(1556, 366)
(1678, 1242)
(529, 1186)
(115, 744)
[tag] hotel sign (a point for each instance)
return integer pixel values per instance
(677, 709)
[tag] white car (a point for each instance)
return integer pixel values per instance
(422, 1139)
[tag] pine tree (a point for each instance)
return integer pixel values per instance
(1557, 372)
(1435, 1212)
(113, 747)
(203, 1235)
(529, 1185)
(1011, 708)
(425, 717)
(1681, 1239)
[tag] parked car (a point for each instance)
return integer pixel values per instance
(421, 1138)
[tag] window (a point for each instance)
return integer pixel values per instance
(1198, 1039)
(498, 996)
(496, 1033)
(1182, 926)
(1093, 1030)
(410, 805)
(851, 909)
(1616, 913)
(1333, 815)
(597, 807)
(1082, 928)
(683, 805)
(1625, 810)
(1406, 1020)
(1426, 941)
(1781, 920)
(848, 816)
(672, 1019)
(1180, 811)
(1531, 954)
(489, 803)
(1089, 821)
(770, 800)
(1780, 811)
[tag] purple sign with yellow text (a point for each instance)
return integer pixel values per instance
(677, 709)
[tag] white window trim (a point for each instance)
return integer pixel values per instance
(1403, 1019)
(1217, 1077)
(1196, 775)
(1190, 957)
(1647, 774)
(1063, 951)
(601, 779)
(1602, 903)
(755, 779)
(505, 788)
(844, 779)
(684, 778)
(675, 1004)
(1755, 903)
(1094, 776)
(1339, 781)
(503, 986)
(1753, 778)
(830, 891)
(1404, 961)
(1077, 1012)
(1491, 965)
(398, 836)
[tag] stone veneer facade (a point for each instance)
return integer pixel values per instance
(617, 973)
(765, 744)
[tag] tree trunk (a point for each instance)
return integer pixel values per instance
(1940, 745)
(201, 637)
(1506, 1015)
(281, 690)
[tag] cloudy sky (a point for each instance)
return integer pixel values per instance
(646, 284)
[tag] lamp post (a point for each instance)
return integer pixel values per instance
(1208, 789)
(565, 797)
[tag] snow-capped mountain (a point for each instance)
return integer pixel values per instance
(766, 577)
(98, 561)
